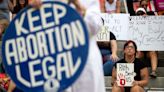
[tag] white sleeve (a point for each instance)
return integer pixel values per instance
(94, 22)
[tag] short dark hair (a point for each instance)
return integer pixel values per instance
(130, 41)
(140, 13)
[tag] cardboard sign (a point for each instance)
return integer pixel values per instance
(118, 24)
(125, 74)
(103, 34)
(46, 49)
(147, 32)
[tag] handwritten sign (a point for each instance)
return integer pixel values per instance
(46, 49)
(147, 32)
(117, 24)
(103, 35)
(125, 74)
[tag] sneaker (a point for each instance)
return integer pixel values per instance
(153, 74)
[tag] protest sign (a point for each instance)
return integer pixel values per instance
(147, 32)
(118, 24)
(46, 49)
(125, 74)
(103, 34)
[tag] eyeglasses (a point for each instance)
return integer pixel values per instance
(131, 47)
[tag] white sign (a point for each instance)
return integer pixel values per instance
(147, 32)
(125, 74)
(103, 35)
(117, 24)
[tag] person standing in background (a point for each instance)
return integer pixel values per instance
(4, 16)
(150, 54)
(112, 6)
(144, 4)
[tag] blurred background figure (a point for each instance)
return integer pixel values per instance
(152, 55)
(112, 6)
(144, 4)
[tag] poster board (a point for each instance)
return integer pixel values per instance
(125, 74)
(117, 24)
(103, 34)
(147, 32)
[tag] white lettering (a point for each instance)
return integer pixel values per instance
(11, 51)
(46, 15)
(32, 46)
(34, 73)
(19, 26)
(20, 78)
(21, 46)
(33, 19)
(42, 44)
(62, 66)
(66, 36)
(78, 33)
(50, 68)
(58, 14)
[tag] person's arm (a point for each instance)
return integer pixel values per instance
(80, 8)
(118, 6)
(114, 56)
(114, 78)
(1, 30)
(144, 76)
(12, 86)
(102, 6)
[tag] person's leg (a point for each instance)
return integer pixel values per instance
(136, 89)
(154, 62)
(139, 54)
(105, 54)
(116, 88)
(107, 67)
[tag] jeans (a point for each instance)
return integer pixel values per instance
(108, 63)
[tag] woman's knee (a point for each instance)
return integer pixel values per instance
(152, 54)
(116, 89)
(137, 89)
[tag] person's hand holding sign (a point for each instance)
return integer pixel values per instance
(135, 83)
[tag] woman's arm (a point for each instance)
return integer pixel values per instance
(144, 76)
(114, 76)
(118, 6)
(114, 56)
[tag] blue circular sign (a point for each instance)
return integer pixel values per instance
(46, 49)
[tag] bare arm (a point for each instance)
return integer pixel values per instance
(11, 86)
(102, 6)
(118, 6)
(114, 76)
(114, 56)
(145, 78)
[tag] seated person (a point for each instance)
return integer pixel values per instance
(109, 54)
(150, 54)
(141, 79)
(144, 4)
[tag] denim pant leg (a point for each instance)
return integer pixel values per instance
(107, 67)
